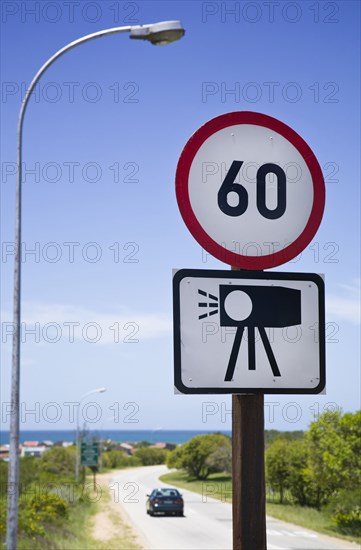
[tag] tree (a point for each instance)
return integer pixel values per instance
(220, 460)
(327, 461)
(199, 455)
(148, 456)
(298, 483)
(174, 458)
(349, 455)
(278, 469)
(334, 459)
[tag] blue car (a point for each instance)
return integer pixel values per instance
(165, 501)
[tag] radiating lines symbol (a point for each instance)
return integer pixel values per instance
(213, 304)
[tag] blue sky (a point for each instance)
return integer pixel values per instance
(102, 138)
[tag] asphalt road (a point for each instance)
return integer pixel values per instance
(207, 523)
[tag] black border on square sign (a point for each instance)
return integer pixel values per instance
(262, 275)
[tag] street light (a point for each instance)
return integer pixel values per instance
(158, 34)
(98, 390)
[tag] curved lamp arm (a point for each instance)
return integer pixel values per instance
(56, 56)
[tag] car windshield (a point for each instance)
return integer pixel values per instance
(166, 493)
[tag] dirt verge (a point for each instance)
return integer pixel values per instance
(110, 524)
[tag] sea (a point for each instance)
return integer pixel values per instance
(151, 436)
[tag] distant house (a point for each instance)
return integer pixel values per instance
(4, 452)
(32, 448)
(30, 443)
(127, 448)
(47, 443)
(158, 446)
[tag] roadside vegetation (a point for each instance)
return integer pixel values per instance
(53, 509)
(144, 455)
(312, 479)
(57, 513)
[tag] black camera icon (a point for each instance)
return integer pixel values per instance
(263, 306)
(258, 307)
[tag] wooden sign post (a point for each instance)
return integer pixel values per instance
(248, 478)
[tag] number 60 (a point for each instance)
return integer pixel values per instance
(229, 186)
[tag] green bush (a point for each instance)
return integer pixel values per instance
(149, 457)
(346, 512)
(29, 470)
(29, 523)
(117, 459)
(57, 463)
(114, 459)
(349, 522)
(40, 511)
(3, 506)
(49, 506)
(36, 513)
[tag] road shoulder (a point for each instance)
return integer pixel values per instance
(111, 525)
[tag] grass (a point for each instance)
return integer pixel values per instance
(73, 535)
(220, 486)
(309, 518)
(79, 531)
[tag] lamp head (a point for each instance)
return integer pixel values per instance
(158, 34)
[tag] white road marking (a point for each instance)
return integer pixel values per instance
(305, 534)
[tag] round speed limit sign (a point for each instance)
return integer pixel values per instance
(250, 190)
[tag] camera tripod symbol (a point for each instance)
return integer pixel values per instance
(253, 307)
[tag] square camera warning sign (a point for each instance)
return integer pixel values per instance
(248, 332)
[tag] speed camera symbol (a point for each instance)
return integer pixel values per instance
(253, 307)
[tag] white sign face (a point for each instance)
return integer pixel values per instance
(250, 190)
(238, 332)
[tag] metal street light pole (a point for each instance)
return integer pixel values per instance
(77, 461)
(158, 34)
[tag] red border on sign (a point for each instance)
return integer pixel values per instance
(189, 217)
